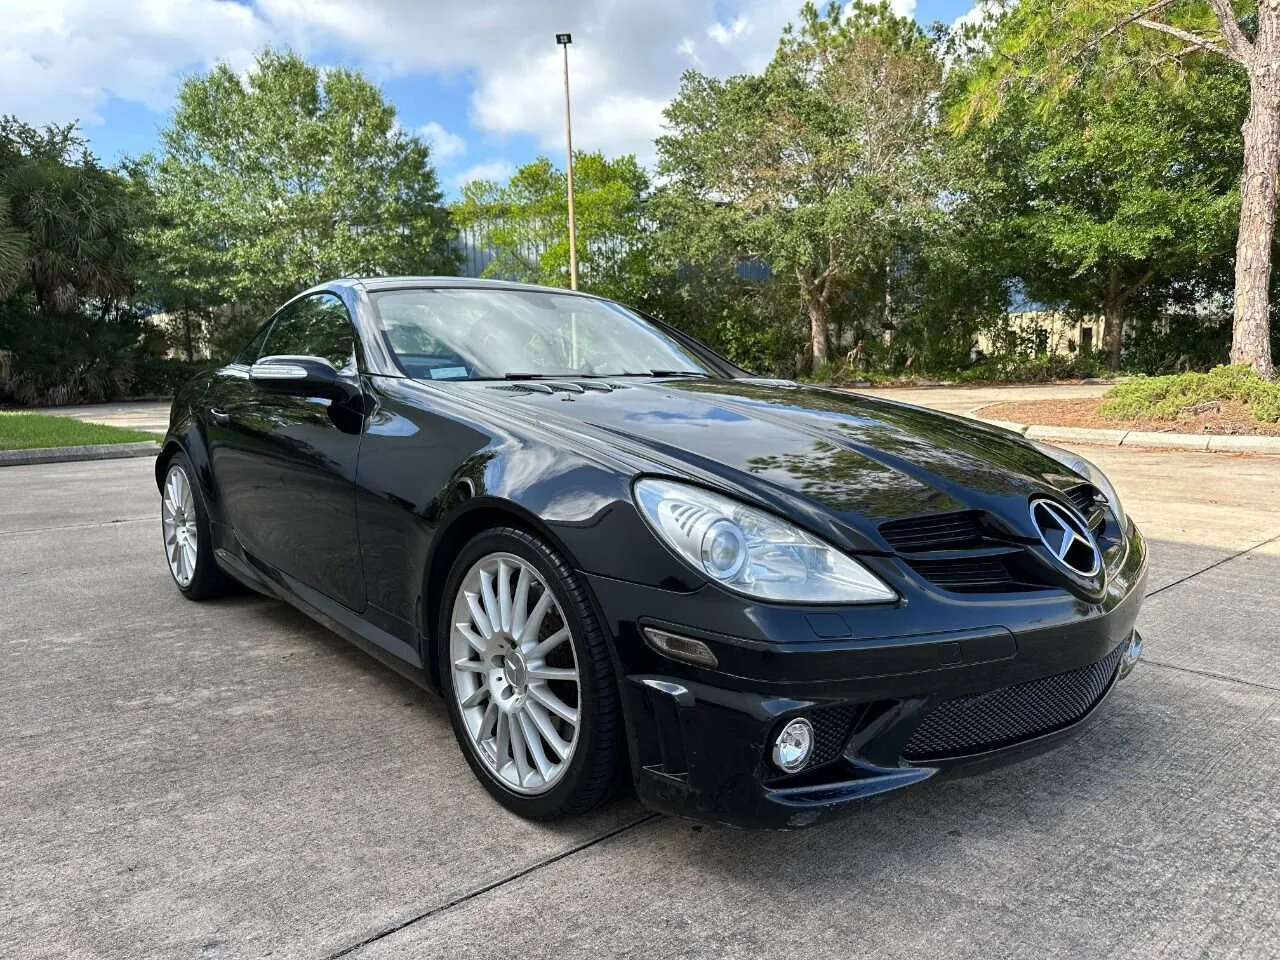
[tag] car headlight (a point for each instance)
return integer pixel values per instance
(751, 551)
(1089, 471)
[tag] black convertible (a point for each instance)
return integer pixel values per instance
(613, 551)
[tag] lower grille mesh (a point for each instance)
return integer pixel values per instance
(998, 718)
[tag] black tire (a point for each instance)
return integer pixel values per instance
(208, 580)
(597, 765)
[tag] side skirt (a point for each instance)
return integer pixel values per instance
(379, 644)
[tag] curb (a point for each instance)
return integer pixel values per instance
(106, 451)
(1206, 443)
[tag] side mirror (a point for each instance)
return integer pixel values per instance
(301, 376)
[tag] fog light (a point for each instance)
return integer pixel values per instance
(1129, 659)
(682, 648)
(794, 745)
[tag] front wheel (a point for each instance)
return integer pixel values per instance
(528, 677)
(188, 546)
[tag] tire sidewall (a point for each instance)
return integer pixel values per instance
(202, 582)
(534, 552)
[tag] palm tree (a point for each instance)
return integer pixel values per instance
(13, 252)
(65, 224)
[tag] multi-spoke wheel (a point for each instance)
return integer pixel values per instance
(178, 517)
(185, 526)
(528, 677)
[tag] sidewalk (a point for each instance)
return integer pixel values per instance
(970, 402)
(149, 416)
(967, 401)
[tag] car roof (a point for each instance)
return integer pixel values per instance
(374, 284)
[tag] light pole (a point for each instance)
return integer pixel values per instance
(564, 39)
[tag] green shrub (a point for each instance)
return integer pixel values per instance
(1165, 398)
(54, 359)
(160, 377)
(64, 358)
(1023, 369)
(1185, 341)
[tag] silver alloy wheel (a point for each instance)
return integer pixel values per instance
(178, 519)
(515, 674)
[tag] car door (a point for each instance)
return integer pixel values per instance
(286, 466)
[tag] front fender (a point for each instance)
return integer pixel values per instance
(187, 432)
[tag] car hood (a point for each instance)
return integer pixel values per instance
(864, 459)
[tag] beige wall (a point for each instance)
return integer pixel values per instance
(1060, 331)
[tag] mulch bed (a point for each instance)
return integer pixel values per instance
(1226, 417)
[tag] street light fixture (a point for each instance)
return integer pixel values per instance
(564, 39)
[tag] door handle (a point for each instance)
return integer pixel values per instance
(220, 416)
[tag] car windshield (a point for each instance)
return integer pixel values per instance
(445, 333)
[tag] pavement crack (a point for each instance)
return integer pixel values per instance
(1217, 563)
(480, 891)
(77, 526)
(1210, 675)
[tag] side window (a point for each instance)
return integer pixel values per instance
(315, 327)
(253, 349)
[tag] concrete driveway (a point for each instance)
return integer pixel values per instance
(230, 780)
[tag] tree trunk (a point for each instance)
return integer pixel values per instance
(818, 331)
(815, 291)
(1113, 314)
(188, 344)
(1251, 336)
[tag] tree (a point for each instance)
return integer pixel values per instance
(817, 167)
(523, 223)
(65, 222)
(13, 249)
(1053, 44)
(1119, 192)
(270, 182)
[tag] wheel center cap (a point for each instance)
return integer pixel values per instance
(517, 673)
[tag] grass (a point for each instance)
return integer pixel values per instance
(27, 431)
(1165, 398)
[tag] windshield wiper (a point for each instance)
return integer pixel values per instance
(541, 376)
(666, 373)
(604, 376)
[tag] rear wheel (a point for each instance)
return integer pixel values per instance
(528, 678)
(188, 547)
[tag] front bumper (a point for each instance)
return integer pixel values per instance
(997, 680)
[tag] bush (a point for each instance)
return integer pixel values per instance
(1184, 341)
(161, 377)
(64, 358)
(54, 359)
(1024, 369)
(1165, 398)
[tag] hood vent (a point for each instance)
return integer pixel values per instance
(526, 387)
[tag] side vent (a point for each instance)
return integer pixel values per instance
(523, 389)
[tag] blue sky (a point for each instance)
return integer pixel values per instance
(481, 78)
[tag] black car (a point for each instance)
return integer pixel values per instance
(610, 548)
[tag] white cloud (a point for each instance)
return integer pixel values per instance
(59, 60)
(980, 11)
(903, 8)
(625, 60)
(489, 170)
(445, 146)
(725, 35)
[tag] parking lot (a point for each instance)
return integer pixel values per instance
(230, 780)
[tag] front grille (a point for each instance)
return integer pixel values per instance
(967, 574)
(999, 718)
(1088, 500)
(941, 531)
(920, 540)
